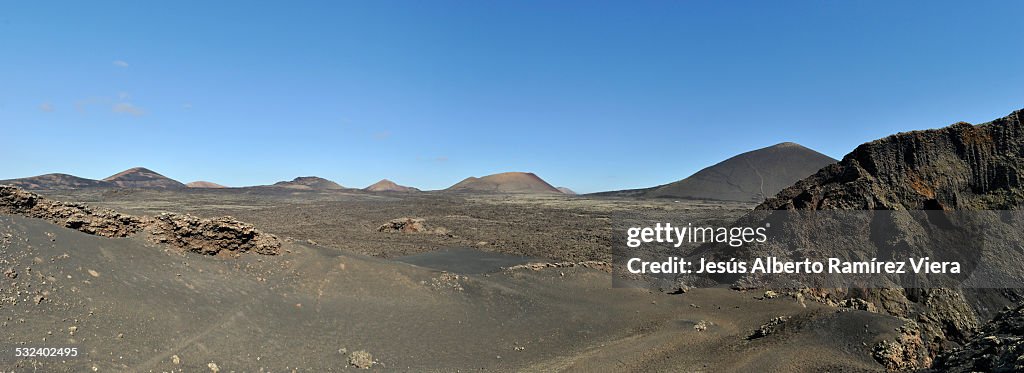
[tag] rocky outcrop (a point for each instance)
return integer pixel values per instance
(906, 353)
(997, 347)
(100, 222)
(960, 167)
(205, 236)
(771, 327)
(211, 236)
(411, 225)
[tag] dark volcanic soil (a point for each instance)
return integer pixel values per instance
(131, 305)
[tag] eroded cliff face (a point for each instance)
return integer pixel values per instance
(960, 167)
(957, 167)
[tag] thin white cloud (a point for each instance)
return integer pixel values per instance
(46, 107)
(83, 105)
(128, 108)
(120, 63)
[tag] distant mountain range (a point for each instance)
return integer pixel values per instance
(137, 177)
(753, 176)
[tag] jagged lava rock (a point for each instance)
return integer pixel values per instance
(211, 236)
(207, 236)
(997, 347)
(100, 222)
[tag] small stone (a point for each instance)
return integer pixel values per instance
(361, 359)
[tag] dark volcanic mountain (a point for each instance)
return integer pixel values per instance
(309, 183)
(56, 182)
(389, 186)
(508, 182)
(750, 177)
(140, 177)
(960, 167)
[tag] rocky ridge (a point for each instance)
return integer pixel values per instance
(186, 232)
(959, 167)
(95, 221)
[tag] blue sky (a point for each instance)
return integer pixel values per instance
(592, 95)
